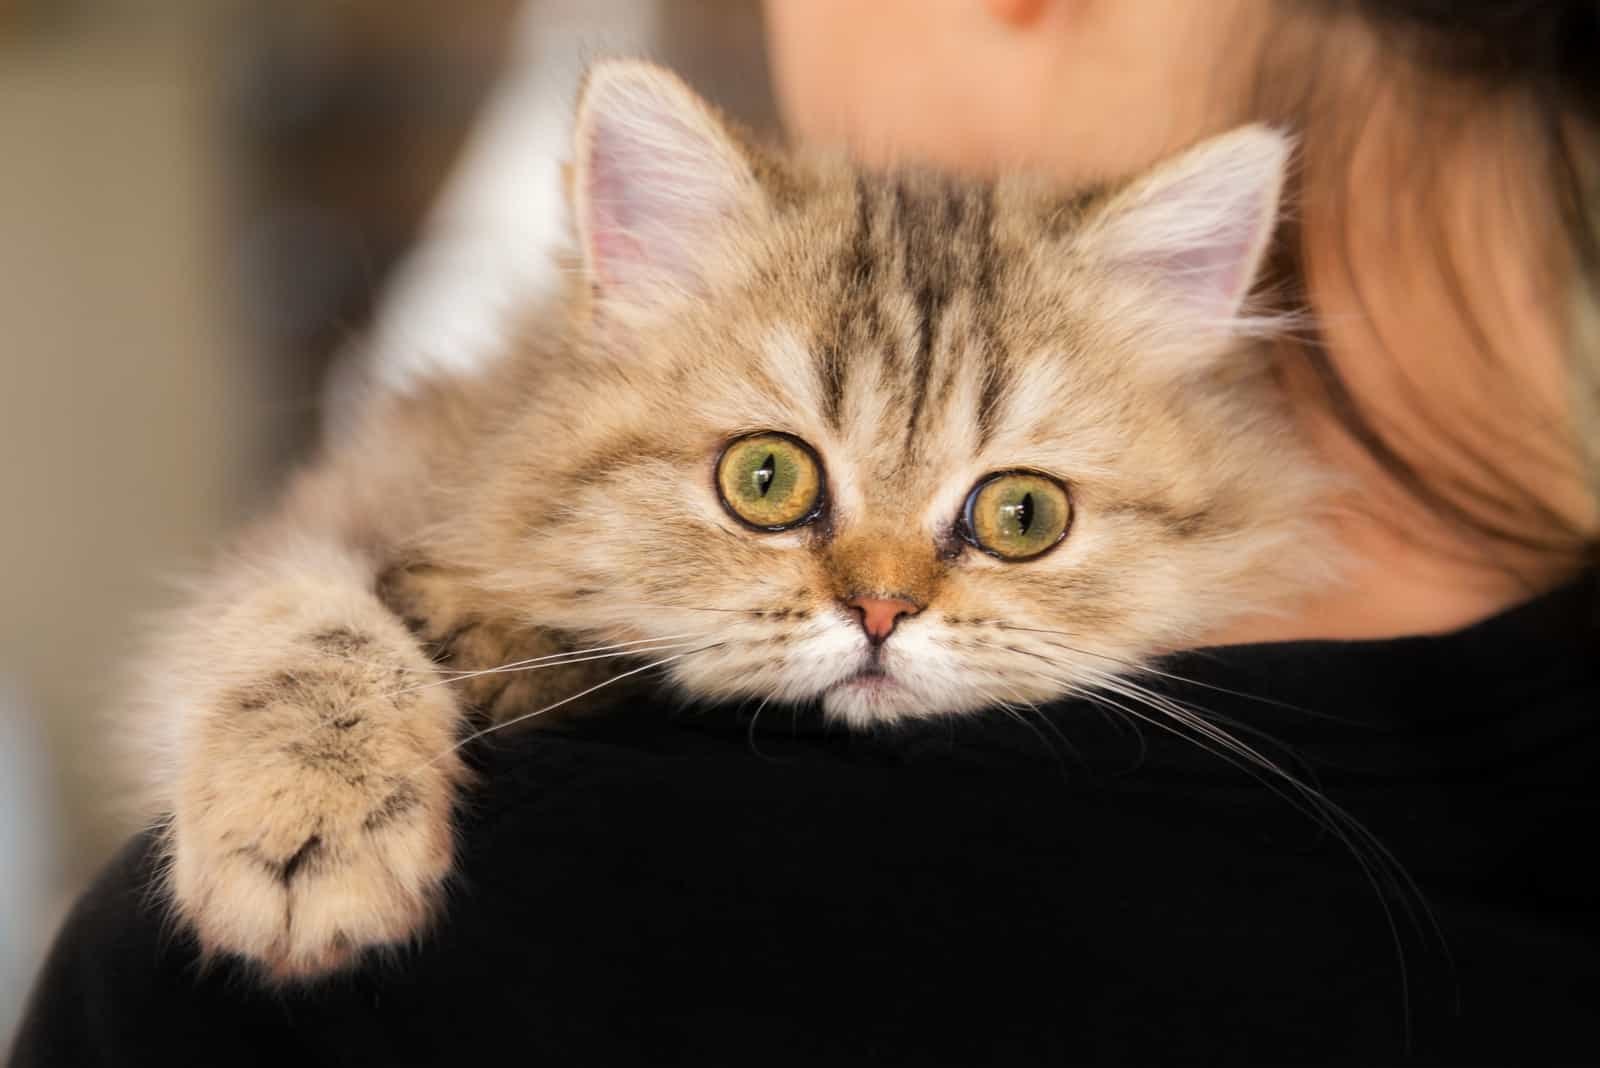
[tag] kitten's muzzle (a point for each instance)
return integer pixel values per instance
(879, 615)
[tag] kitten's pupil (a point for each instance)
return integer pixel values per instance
(763, 474)
(1023, 512)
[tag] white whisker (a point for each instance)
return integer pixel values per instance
(1385, 873)
(515, 664)
(435, 672)
(750, 736)
(554, 660)
(568, 700)
(1146, 669)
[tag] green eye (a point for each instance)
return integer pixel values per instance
(770, 481)
(1017, 515)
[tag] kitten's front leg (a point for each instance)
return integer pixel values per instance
(311, 801)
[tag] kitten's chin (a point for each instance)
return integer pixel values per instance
(871, 697)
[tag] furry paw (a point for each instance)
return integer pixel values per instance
(313, 817)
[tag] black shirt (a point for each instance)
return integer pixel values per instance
(663, 885)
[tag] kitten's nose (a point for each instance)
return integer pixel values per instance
(880, 614)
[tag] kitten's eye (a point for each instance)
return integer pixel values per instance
(1017, 515)
(770, 481)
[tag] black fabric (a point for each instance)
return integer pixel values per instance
(660, 886)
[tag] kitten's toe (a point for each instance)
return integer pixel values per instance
(302, 907)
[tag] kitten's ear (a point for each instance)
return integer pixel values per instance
(655, 173)
(1197, 226)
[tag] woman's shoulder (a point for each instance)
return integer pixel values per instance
(656, 884)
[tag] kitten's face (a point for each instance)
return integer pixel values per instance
(907, 447)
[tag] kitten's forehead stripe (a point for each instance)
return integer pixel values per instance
(995, 372)
(925, 244)
(926, 222)
(858, 321)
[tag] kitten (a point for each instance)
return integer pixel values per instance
(901, 445)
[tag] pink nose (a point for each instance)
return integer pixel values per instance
(880, 614)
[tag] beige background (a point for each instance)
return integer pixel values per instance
(151, 393)
(128, 399)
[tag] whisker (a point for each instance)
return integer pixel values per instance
(1193, 720)
(750, 734)
(1116, 716)
(1134, 665)
(1014, 713)
(751, 612)
(1060, 735)
(450, 675)
(555, 660)
(1381, 868)
(1374, 860)
(1406, 887)
(516, 664)
(568, 700)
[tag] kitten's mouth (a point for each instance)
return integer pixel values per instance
(870, 694)
(871, 677)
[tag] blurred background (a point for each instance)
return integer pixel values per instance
(205, 205)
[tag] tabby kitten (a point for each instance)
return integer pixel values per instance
(898, 444)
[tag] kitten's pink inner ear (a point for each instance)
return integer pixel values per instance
(611, 243)
(658, 175)
(1199, 225)
(637, 216)
(1216, 273)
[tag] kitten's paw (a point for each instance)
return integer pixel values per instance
(315, 818)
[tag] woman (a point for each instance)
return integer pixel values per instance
(641, 891)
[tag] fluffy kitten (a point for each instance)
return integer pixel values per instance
(899, 444)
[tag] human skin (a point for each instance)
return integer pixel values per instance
(1087, 89)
